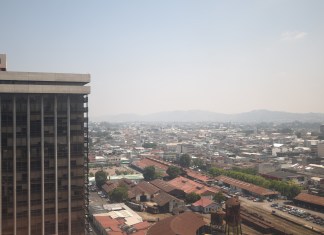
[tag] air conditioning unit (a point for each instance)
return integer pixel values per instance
(3, 62)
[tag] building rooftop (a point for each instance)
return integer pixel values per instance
(282, 174)
(203, 202)
(246, 186)
(189, 186)
(197, 175)
(305, 197)
(161, 184)
(142, 187)
(163, 198)
(108, 222)
(186, 223)
(49, 83)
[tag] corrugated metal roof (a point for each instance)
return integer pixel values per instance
(246, 186)
(305, 197)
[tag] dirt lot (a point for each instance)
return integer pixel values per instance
(152, 217)
(112, 170)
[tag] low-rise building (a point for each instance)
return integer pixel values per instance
(285, 176)
(205, 205)
(142, 192)
(310, 201)
(168, 188)
(119, 219)
(246, 187)
(190, 186)
(113, 160)
(167, 203)
(185, 148)
(187, 223)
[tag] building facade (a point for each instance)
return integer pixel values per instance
(43, 153)
(320, 149)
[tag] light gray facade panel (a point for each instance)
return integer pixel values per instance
(44, 89)
(50, 77)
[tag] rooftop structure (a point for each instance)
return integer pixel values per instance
(189, 186)
(283, 175)
(143, 191)
(312, 199)
(120, 220)
(198, 176)
(203, 202)
(254, 189)
(187, 223)
(168, 188)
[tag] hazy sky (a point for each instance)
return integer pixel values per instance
(151, 56)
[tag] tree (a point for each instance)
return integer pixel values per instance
(192, 197)
(101, 178)
(219, 197)
(91, 174)
(149, 145)
(173, 171)
(197, 162)
(119, 194)
(184, 160)
(288, 189)
(149, 173)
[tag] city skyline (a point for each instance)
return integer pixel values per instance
(147, 57)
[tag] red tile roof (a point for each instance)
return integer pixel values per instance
(189, 186)
(142, 225)
(115, 233)
(197, 175)
(106, 221)
(203, 202)
(305, 197)
(186, 223)
(140, 232)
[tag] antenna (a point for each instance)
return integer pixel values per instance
(3, 62)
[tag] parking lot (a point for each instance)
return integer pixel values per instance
(307, 216)
(284, 208)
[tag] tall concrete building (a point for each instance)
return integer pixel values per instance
(320, 149)
(322, 129)
(43, 152)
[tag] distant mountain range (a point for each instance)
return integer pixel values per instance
(206, 116)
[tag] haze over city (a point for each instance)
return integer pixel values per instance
(153, 56)
(162, 117)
